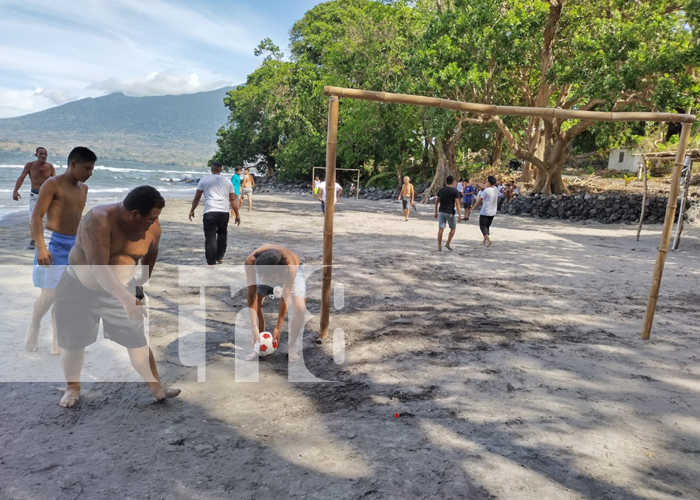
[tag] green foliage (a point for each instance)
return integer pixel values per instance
(383, 180)
(621, 55)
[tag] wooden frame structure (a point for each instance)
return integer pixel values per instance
(335, 93)
(691, 157)
(357, 191)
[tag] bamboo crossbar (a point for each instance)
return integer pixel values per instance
(493, 110)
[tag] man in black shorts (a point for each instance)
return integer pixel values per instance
(99, 284)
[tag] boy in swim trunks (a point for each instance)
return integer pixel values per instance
(267, 266)
(62, 199)
(407, 196)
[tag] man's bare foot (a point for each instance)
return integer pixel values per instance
(439, 249)
(55, 350)
(71, 396)
(250, 357)
(32, 340)
(488, 244)
(448, 247)
(163, 394)
(293, 357)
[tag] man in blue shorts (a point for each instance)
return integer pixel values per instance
(265, 267)
(62, 199)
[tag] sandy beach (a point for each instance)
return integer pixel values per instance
(517, 371)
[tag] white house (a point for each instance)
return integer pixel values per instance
(623, 159)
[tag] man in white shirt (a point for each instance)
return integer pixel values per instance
(219, 196)
(488, 198)
(322, 194)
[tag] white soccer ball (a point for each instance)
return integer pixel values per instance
(266, 346)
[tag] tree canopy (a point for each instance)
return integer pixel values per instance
(610, 55)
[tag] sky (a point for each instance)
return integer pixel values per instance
(57, 51)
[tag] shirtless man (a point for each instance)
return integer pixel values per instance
(407, 196)
(62, 200)
(111, 241)
(38, 171)
(247, 184)
(265, 267)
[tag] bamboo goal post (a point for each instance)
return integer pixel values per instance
(666, 233)
(335, 93)
(331, 147)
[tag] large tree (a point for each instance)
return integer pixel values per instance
(609, 55)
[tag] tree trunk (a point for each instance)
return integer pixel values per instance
(446, 165)
(497, 150)
(549, 180)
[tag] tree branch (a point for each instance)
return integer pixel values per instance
(513, 144)
(576, 130)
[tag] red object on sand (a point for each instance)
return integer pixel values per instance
(397, 415)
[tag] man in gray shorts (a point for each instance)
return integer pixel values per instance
(247, 184)
(99, 284)
(265, 267)
(446, 210)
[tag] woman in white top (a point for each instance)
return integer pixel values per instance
(488, 199)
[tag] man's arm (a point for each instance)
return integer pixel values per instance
(252, 298)
(20, 180)
(152, 256)
(458, 206)
(95, 238)
(437, 202)
(46, 196)
(195, 202)
(340, 193)
(234, 207)
(53, 171)
(287, 286)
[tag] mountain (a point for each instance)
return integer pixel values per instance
(177, 129)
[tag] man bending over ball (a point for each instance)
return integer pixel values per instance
(265, 267)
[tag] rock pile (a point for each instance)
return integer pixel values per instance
(607, 209)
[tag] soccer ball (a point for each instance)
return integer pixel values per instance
(266, 346)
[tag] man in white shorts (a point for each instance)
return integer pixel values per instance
(38, 171)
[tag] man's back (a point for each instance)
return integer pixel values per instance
(447, 195)
(216, 189)
(490, 197)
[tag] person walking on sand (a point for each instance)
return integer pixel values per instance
(99, 284)
(467, 198)
(322, 194)
(267, 266)
(62, 199)
(317, 183)
(447, 210)
(236, 181)
(488, 198)
(219, 197)
(38, 171)
(247, 184)
(407, 196)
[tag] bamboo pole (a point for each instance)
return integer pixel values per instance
(644, 200)
(490, 109)
(684, 204)
(331, 146)
(666, 233)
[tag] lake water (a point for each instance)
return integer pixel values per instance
(109, 183)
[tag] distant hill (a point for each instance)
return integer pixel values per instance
(165, 129)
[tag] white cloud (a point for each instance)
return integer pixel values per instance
(56, 96)
(165, 82)
(155, 47)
